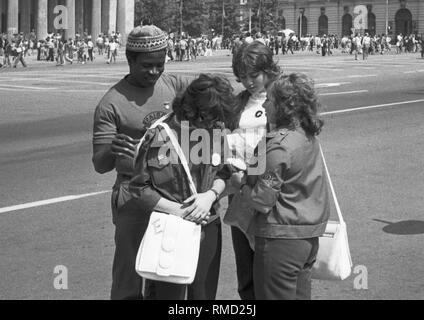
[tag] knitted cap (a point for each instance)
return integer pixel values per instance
(146, 39)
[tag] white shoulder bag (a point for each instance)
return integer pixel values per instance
(169, 250)
(333, 260)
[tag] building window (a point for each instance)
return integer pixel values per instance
(323, 25)
(304, 26)
(281, 23)
(347, 25)
(3, 23)
(403, 22)
(371, 23)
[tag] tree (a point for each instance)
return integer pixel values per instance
(263, 16)
(195, 17)
(229, 17)
(158, 12)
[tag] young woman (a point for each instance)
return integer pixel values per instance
(291, 198)
(162, 185)
(254, 67)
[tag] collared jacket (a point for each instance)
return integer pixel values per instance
(160, 175)
(291, 198)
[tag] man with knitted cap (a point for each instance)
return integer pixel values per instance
(121, 119)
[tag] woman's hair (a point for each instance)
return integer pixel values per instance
(254, 57)
(208, 102)
(295, 103)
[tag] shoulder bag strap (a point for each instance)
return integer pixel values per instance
(154, 125)
(180, 154)
(336, 202)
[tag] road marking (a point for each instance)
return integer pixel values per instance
(51, 79)
(308, 68)
(59, 90)
(362, 76)
(340, 93)
(24, 87)
(330, 85)
(371, 107)
(49, 201)
(82, 90)
(366, 68)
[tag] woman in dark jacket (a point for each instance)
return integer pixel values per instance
(161, 184)
(291, 198)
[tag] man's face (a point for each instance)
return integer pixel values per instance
(148, 67)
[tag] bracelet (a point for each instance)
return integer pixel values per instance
(216, 193)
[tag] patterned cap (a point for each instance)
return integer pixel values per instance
(146, 39)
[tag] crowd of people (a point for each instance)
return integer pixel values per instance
(85, 48)
(284, 192)
(56, 48)
(187, 48)
(325, 45)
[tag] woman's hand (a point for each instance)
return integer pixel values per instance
(199, 209)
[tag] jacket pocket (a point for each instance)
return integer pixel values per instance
(160, 173)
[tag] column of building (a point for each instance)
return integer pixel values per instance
(421, 18)
(96, 18)
(112, 16)
(125, 18)
(2, 3)
(12, 17)
(70, 30)
(51, 5)
(25, 16)
(108, 19)
(106, 16)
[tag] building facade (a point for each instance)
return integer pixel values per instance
(342, 16)
(70, 16)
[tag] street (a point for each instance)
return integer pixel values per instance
(372, 139)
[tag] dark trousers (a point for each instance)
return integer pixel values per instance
(282, 268)
(129, 230)
(205, 284)
(126, 283)
(51, 55)
(244, 264)
(90, 54)
(19, 58)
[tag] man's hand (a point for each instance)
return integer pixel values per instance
(124, 146)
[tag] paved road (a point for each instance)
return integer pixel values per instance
(374, 112)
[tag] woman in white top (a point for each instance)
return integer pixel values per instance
(254, 67)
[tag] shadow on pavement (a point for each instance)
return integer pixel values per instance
(408, 227)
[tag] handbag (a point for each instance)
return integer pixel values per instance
(169, 250)
(333, 260)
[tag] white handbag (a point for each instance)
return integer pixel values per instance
(169, 250)
(333, 261)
